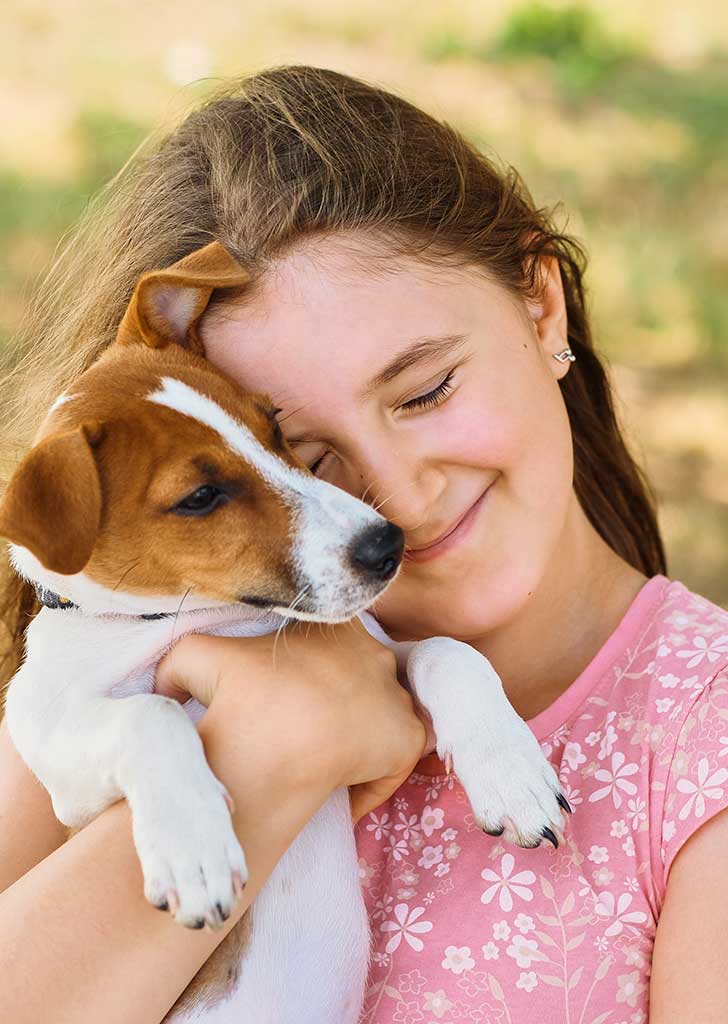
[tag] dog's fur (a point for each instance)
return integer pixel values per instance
(93, 514)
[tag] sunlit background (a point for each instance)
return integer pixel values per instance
(617, 110)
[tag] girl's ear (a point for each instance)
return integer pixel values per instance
(167, 304)
(52, 504)
(549, 314)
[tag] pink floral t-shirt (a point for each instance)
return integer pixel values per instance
(470, 930)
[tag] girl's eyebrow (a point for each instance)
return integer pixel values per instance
(420, 351)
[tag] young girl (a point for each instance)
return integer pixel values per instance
(423, 328)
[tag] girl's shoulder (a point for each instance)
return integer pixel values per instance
(649, 737)
(696, 629)
(674, 662)
(678, 659)
(669, 647)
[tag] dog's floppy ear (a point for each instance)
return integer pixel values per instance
(52, 504)
(167, 304)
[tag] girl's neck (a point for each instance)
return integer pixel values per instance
(543, 651)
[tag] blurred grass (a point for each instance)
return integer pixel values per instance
(617, 110)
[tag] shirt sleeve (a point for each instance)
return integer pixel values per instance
(696, 783)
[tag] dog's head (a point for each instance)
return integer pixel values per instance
(155, 480)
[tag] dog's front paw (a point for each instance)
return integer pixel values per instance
(192, 862)
(512, 788)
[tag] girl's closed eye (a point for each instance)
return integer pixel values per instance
(431, 398)
(428, 400)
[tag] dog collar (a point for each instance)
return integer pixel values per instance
(51, 600)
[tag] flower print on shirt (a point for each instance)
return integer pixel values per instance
(457, 959)
(405, 925)
(379, 826)
(708, 784)
(702, 648)
(616, 779)
(407, 826)
(431, 855)
(431, 820)
(507, 884)
(524, 950)
(617, 910)
(494, 931)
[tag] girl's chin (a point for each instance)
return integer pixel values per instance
(411, 624)
(465, 612)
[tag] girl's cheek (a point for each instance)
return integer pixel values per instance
(482, 434)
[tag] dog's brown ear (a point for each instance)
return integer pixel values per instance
(52, 504)
(167, 304)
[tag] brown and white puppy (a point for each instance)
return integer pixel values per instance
(160, 499)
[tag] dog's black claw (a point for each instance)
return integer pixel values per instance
(199, 923)
(162, 906)
(221, 912)
(495, 831)
(564, 803)
(548, 834)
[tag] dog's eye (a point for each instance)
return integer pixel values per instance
(201, 502)
(277, 432)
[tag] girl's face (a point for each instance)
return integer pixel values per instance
(432, 393)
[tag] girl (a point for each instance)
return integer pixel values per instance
(423, 328)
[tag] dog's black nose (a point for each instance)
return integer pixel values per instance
(378, 551)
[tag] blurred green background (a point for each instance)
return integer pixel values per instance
(618, 110)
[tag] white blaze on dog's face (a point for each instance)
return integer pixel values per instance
(338, 553)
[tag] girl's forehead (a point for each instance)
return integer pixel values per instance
(333, 308)
(332, 273)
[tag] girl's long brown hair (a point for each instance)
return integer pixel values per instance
(266, 161)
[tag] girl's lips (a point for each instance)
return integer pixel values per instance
(451, 539)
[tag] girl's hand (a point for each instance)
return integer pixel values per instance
(330, 694)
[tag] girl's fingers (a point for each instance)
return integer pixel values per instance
(188, 670)
(366, 796)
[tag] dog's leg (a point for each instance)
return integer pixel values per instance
(304, 953)
(512, 788)
(144, 747)
(309, 944)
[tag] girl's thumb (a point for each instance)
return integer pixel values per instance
(188, 670)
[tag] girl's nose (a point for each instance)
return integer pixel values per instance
(403, 490)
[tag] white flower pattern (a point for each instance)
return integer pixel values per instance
(616, 779)
(407, 926)
(708, 785)
(506, 884)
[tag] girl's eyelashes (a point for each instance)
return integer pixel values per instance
(426, 401)
(433, 397)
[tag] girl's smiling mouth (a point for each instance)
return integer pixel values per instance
(453, 537)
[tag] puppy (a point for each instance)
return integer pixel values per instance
(159, 499)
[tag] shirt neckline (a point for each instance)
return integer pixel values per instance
(556, 714)
(630, 626)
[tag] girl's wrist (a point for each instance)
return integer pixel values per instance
(275, 794)
(272, 768)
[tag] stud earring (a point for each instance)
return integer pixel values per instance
(567, 356)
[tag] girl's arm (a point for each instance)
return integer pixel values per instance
(689, 981)
(78, 941)
(29, 830)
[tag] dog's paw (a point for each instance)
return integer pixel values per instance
(512, 788)
(192, 862)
